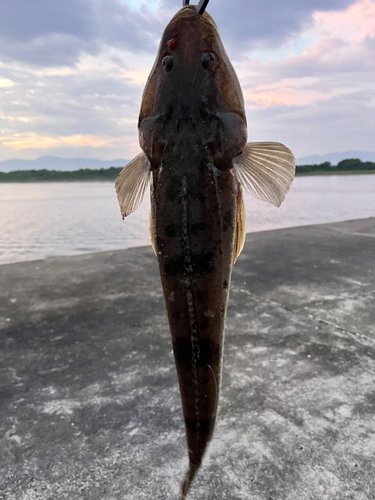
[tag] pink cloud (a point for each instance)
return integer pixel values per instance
(353, 24)
(284, 93)
(344, 49)
(36, 141)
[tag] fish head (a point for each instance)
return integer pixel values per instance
(192, 91)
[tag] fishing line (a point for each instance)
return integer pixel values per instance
(201, 7)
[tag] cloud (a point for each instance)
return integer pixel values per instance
(323, 98)
(72, 73)
(327, 57)
(91, 110)
(346, 44)
(287, 92)
(5, 82)
(339, 123)
(47, 33)
(247, 25)
(354, 24)
(329, 66)
(35, 141)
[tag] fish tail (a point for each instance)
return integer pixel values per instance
(186, 483)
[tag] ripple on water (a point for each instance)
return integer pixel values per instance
(40, 220)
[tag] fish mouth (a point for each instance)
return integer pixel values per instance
(187, 38)
(192, 9)
(201, 7)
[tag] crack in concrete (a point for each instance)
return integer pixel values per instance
(349, 233)
(358, 337)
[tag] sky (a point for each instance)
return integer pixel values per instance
(72, 73)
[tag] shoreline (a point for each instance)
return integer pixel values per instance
(249, 235)
(100, 179)
(349, 172)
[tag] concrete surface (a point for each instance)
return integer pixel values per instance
(89, 404)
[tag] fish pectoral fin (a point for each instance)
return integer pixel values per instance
(131, 184)
(240, 232)
(152, 233)
(266, 170)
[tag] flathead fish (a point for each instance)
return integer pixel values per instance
(192, 130)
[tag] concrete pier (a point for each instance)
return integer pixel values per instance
(89, 402)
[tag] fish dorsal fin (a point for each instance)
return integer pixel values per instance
(240, 232)
(266, 170)
(131, 184)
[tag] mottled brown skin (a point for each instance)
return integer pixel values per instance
(192, 124)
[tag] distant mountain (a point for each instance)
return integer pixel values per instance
(70, 164)
(56, 163)
(334, 158)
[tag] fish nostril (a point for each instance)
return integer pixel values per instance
(167, 62)
(207, 59)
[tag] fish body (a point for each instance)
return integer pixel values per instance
(194, 205)
(192, 129)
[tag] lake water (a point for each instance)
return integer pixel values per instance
(40, 220)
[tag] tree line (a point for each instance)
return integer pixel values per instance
(84, 174)
(110, 174)
(352, 165)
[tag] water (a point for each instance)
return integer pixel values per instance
(40, 220)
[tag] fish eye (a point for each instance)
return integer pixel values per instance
(167, 62)
(207, 59)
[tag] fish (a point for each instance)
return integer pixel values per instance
(195, 156)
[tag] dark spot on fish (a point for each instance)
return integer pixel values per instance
(209, 352)
(202, 325)
(225, 284)
(201, 426)
(198, 227)
(175, 267)
(171, 230)
(202, 263)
